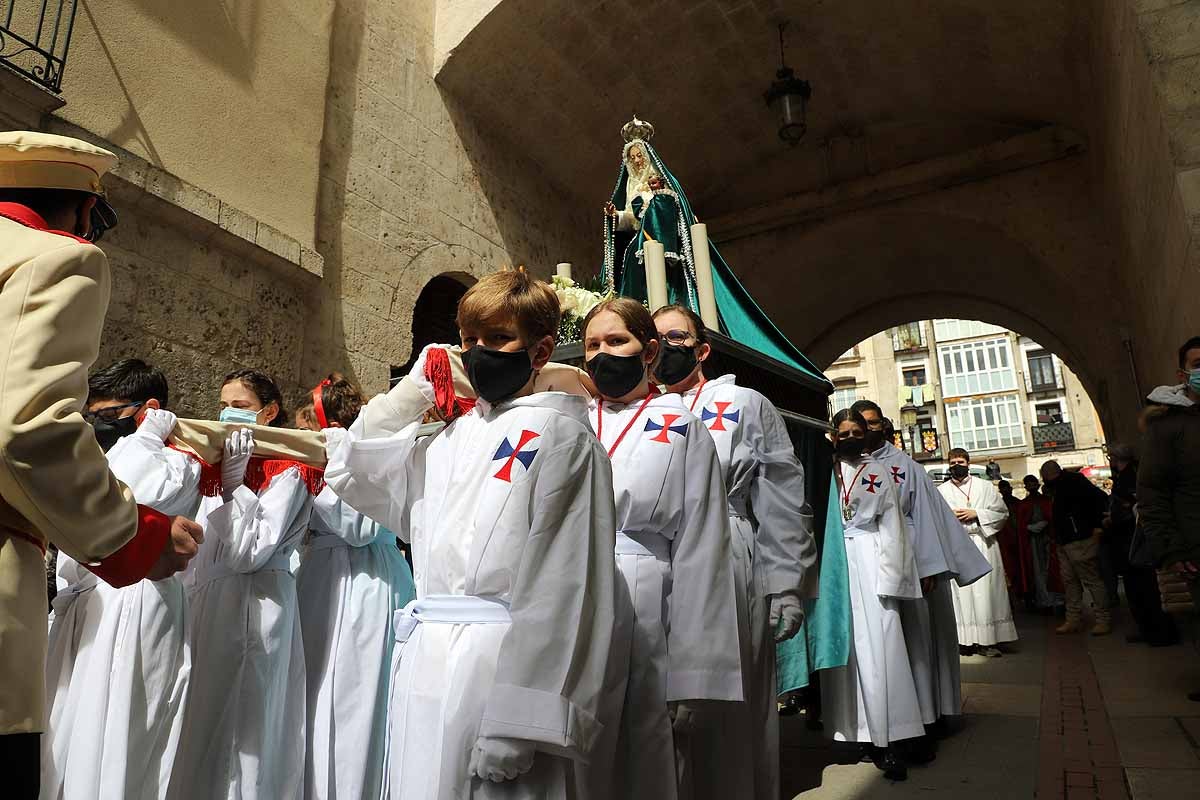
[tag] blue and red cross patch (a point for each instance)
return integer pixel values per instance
(872, 483)
(666, 428)
(721, 416)
(512, 454)
(898, 475)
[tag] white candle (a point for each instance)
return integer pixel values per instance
(656, 274)
(563, 270)
(704, 279)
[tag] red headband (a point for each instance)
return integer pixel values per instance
(318, 405)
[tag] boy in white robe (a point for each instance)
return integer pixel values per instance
(501, 659)
(983, 611)
(944, 553)
(120, 659)
(737, 753)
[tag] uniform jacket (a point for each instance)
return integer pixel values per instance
(55, 485)
(1168, 486)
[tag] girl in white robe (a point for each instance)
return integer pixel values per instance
(243, 730)
(873, 699)
(736, 754)
(501, 659)
(678, 619)
(350, 583)
(116, 735)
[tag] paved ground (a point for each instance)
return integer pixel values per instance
(1062, 718)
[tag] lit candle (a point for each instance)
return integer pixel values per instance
(704, 279)
(563, 270)
(656, 274)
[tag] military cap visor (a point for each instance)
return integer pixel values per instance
(35, 160)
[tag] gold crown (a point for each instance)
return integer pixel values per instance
(637, 129)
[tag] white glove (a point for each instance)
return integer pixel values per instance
(238, 449)
(158, 424)
(497, 760)
(786, 617)
(683, 718)
(417, 373)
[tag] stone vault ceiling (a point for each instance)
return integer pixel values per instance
(893, 83)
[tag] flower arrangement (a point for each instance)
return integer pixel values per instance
(574, 301)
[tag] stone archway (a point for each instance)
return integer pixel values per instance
(434, 313)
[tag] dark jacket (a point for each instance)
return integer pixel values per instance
(1168, 487)
(1078, 508)
(1123, 499)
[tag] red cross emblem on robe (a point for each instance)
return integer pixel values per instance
(720, 415)
(898, 476)
(512, 455)
(872, 483)
(666, 427)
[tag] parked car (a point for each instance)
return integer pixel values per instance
(940, 473)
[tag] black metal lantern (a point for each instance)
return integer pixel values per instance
(788, 97)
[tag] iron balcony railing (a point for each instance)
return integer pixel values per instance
(1053, 437)
(34, 38)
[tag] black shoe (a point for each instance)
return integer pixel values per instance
(920, 750)
(870, 754)
(966, 649)
(939, 729)
(790, 708)
(892, 765)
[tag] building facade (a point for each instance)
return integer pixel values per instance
(963, 383)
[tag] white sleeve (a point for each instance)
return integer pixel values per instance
(372, 466)
(897, 562)
(992, 511)
(164, 479)
(784, 543)
(702, 647)
(252, 526)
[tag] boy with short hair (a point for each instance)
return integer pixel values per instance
(509, 512)
(116, 693)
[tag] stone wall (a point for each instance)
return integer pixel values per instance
(1146, 134)
(409, 190)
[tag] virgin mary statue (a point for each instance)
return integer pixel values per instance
(648, 203)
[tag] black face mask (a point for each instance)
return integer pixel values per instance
(874, 440)
(616, 376)
(496, 375)
(849, 448)
(959, 471)
(675, 364)
(109, 433)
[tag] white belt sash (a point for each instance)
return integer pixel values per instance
(868, 529)
(654, 545)
(449, 609)
(280, 562)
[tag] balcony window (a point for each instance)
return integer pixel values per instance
(947, 329)
(986, 423)
(976, 368)
(908, 337)
(913, 376)
(1042, 375)
(844, 397)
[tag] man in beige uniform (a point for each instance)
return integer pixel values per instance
(54, 481)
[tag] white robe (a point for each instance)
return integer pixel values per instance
(945, 552)
(116, 735)
(677, 616)
(982, 608)
(243, 730)
(874, 697)
(351, 581)
(509, 513)
(736, 754)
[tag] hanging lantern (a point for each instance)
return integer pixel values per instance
(788, 98)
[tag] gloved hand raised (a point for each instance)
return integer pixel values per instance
(786, 617)
(497, 760)
(157, 423)
(239, 447)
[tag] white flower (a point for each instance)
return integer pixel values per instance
(567, 301)
(585, 301)
(561, 282)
